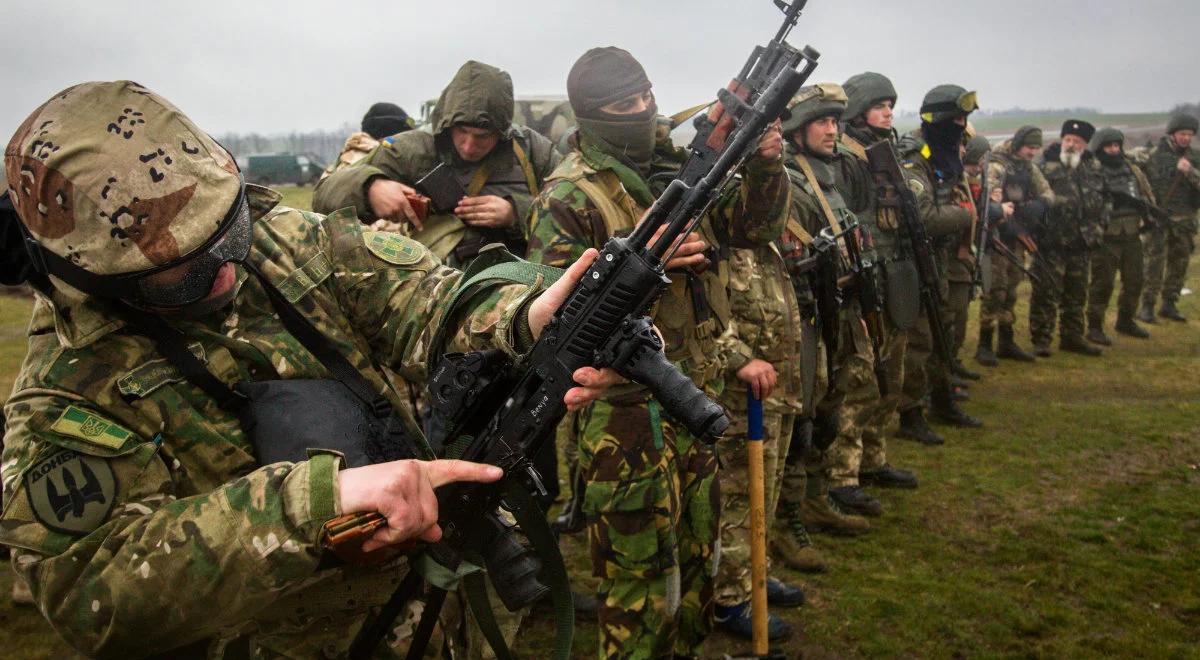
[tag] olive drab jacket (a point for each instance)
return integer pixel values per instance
(479, 95)
(1123, 219)
(1177, 193)
(1074, 223)
(134, 504)
(946, 209)
(592, 196)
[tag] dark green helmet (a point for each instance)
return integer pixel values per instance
(865, 90)
(813, 102)
(1105, 136)
(977, 148)
(947, 102)
(1181, 121)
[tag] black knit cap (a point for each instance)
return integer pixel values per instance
(384, 119)
(602, 76)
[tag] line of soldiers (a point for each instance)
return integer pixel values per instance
(831, 281)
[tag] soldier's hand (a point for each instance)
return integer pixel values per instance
(486, 211)
(402, 492)
(1009, 209)
(760, 376)
(997, 195)
(690, 253)
(389, 200)
(593, 382)
(1184, 166)
(770, 145)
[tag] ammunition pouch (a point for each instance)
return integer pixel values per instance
(902, 288)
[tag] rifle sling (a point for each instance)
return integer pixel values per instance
(806, 168)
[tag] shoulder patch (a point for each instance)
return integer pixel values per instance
(71, 493)
(388, 141)
(926, 152)
(91, 428)
(394, 248)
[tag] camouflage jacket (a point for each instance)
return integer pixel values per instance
(1074, 221)
(1122, 219)
(134, 504)
(593, 196)
(1177, 193)
(857, 186)
(766, 325)
(357, 146)
(947, 210)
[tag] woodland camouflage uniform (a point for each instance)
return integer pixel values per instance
(176, 535)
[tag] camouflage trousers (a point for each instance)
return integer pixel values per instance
(1062, 297)
(955, 312)
(653, 507)
(733, 570)
(894, 348)
(1000, 299)
(1167, 250)
(853, 394)
(1121, 254)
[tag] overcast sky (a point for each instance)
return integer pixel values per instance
(271, 66)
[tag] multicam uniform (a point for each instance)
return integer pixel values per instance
(1169, 246)
(652, 498)
(357, 146)
(1071, 229)
(165, 498)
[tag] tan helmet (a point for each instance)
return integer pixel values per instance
(811, 103)
(110, 178)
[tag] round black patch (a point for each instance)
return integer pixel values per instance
(70, 492)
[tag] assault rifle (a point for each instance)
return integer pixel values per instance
(870, 300)
(501, 414)
(1154, 214)
(884, 165)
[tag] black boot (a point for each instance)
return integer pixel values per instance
(943, 408)
(1095, 334)
(887, 476)
(570, 520)
(1078, 345)
(1042, 349)
(914, 427)
(1007, 347)
(1146, 313)
(1128, 327)
(984, 354)
(1169, 311)
(856, 500)
(959, 369)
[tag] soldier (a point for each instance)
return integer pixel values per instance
(163, 280)
(500, 166)
(1174, 173)
(1070, 230)
(974, 159)
(382, 119)
(651, 496)
(1012, 178)
(1126, 188)
(932, 157)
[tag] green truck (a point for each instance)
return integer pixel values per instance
(276, 169)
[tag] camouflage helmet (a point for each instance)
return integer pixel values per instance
(812, 103)
(947, 102)
(1105, 136)
(977, 148)
(865, 90)
(110, 179)
(1182, 121)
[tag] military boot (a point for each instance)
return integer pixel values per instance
(984, 354)
(914, 427)
(821, 515)
(1128, 327)
(1146, 313)
(791, 544)
(1007, 348)
(1078, 345)
(1170, 311)
(1095, 334)
(1041, 349)
(856, 500)
(945, 409)
(959, 369)
(887, 476)
(735, 619)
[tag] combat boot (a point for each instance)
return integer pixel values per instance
(791, 544)
(1126, 326)
(1007, 348)
(1078, 345)
(1170, 311)
(887, 476)
(819, 514)
(782, 594)
(984, 354)
(944, 409)
(914, 427)
(957, 381)
(856, 500)
(959, 369)
(1095, 334)
(735, 619)
(1146, 313)
(1042, 350)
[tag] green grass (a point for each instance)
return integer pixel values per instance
(296, 197)
(1068, 527)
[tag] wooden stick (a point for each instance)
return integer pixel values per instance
(758, 526)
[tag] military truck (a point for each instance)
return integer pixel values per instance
(284, 168)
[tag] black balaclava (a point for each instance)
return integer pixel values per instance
(944, 138)
(603, 76)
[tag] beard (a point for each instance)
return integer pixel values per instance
(1070, 158)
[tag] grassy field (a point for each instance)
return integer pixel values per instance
(1068, 527)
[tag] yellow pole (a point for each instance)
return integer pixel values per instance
(758, 527)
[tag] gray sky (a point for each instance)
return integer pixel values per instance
(273, 66)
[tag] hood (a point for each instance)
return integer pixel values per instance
(1004, 149)
(479, 95)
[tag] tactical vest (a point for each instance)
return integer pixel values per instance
(1018, 181)
(880, 222)
(1072, 225)
(694, 311)
(1123, 220)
